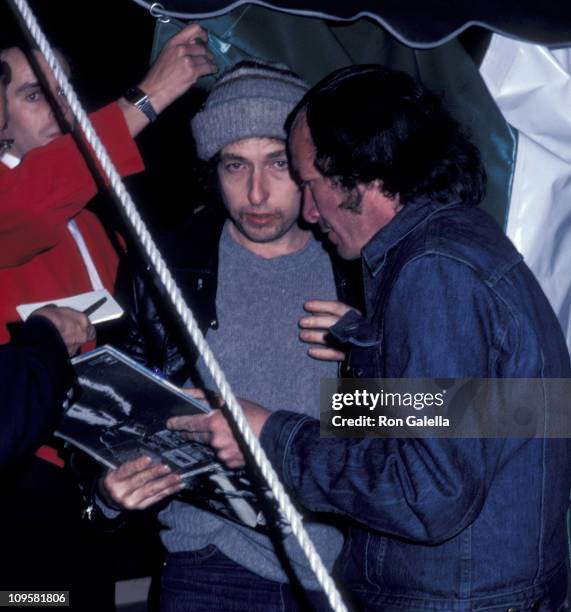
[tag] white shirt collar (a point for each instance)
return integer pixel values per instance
(10, 160)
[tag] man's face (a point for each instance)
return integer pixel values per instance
(30, 120)
(261, 198)
(326, 203)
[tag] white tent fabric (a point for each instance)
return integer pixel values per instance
(532, 87)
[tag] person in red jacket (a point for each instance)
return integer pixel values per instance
(50, 246)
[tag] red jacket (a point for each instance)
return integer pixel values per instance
(39, 259)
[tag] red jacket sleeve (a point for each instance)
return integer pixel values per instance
(52, 184)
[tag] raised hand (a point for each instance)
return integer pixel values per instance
(182, 61)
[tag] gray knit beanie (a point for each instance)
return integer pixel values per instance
(250, 100)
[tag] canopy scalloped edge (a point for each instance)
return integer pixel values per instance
(434, 30)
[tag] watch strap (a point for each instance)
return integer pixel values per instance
(138, 98)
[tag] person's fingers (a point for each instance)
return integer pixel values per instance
(199, 67)
(143, 478)
(204, 437)
(128, 469)
(200, 62)
(193, 427)
(205, 67)
(117, 483)
(85, 330)
(313, 336)
(327, 307)
(194, 32)
(211, 429)
(326, 354)
(154, 490)
(189, 35)
(91, 333)
(148, 502)
(196, 53)
(227, 450)
(131, 486)
(149, 479)
(323, 321)
(197, 50)
(195, 392)
(121, 489)
(74, 327)
(231, 459)
(189, 422)
(234, 463)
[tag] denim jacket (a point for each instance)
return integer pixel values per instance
(442, 524)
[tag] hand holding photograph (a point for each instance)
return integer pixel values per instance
(118, 412)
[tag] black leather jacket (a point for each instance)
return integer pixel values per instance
(151, 332)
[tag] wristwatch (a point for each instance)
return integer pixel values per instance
(138, 98)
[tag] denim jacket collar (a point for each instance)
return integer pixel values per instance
(412, 215)
(354, 328)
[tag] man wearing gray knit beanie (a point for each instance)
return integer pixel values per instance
(248, 275)
(241, 129)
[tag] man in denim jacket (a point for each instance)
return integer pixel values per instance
(437, 524)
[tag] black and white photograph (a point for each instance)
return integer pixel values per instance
(118, 411)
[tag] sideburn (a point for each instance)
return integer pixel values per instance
(352, 201)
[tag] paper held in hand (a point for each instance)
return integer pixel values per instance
(118, 412)
(107, 311)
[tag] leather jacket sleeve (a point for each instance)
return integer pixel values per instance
(152, 332)
(147, 332)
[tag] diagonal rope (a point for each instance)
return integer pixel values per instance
(182, 309)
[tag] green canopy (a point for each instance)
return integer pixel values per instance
(313, 47)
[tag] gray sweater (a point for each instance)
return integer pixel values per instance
(259, 303)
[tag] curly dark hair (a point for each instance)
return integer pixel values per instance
(372, 123)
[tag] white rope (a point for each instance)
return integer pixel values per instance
(182, 309)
